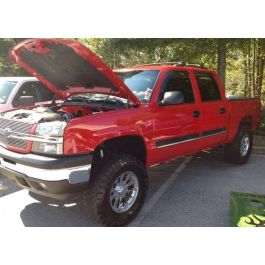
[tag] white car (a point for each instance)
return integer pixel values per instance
(22, 91)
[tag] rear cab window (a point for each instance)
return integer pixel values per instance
(208, 87)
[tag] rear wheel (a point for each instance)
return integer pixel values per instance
(117, 190)
(239, 150)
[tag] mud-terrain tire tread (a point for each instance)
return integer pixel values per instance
(232, 150)
(95, 198)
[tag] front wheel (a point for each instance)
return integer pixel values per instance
(117, 190)
(239, 150)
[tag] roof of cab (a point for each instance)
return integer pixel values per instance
(166, 66)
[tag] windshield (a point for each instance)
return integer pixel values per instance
(6, 88)
(140, 82)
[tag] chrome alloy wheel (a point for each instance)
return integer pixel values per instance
(244, 145)
(124, 192)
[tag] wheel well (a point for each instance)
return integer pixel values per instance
(132, 145)
(246, 121)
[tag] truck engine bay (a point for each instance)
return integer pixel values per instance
(47, 114)
(44, 125)
(66, 111)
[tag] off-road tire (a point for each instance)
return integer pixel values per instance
(97, 198)
(232, 150)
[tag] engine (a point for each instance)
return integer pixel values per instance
(46, 114)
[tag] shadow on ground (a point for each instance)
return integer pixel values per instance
(46, 212)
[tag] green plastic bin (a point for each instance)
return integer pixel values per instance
(247, 210)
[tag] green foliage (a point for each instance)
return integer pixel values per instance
(7, 68)
(118, 52)
(127, 52)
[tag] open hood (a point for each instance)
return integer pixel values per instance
(67, 67)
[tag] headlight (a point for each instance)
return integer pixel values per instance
(52, 141)
(54, 128)
(47, 148)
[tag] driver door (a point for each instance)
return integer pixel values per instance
(177, 124)
(26, 89)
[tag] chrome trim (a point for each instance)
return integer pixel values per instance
(36, 138)
(74, 175)
(189, 140)
(181, 142)
(244, 145)
(124, 192)
(8, 126)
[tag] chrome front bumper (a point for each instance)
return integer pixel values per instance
(53, 177)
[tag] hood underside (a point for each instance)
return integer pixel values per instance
(68, 67)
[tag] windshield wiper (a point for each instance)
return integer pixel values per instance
(79, 99)
(106, 99)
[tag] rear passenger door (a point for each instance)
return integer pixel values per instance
(214, 113)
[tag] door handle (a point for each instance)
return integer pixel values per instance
(196, 114)
(222, 110)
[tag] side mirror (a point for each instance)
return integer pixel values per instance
(172, 98)
(26, 101)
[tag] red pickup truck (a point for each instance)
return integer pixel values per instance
(112, 125)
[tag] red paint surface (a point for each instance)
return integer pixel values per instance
(154, 123)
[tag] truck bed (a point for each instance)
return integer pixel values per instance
(242, 107)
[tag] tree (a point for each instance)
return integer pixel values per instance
(7, 68)
(221, 61)
(253, 56)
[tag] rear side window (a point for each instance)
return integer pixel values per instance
(178, 81)
(208, 87)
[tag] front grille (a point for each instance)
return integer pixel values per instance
(14, 126)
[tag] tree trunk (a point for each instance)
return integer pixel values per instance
(258, 66)
(261, 63)
(246, 78)
(254, 69)
(221, 60)
(249, 70)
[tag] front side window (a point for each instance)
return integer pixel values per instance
(6, 88)
(28, 89)
(44, 93)
(208, 87)
(140, 82)
(177, 85)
